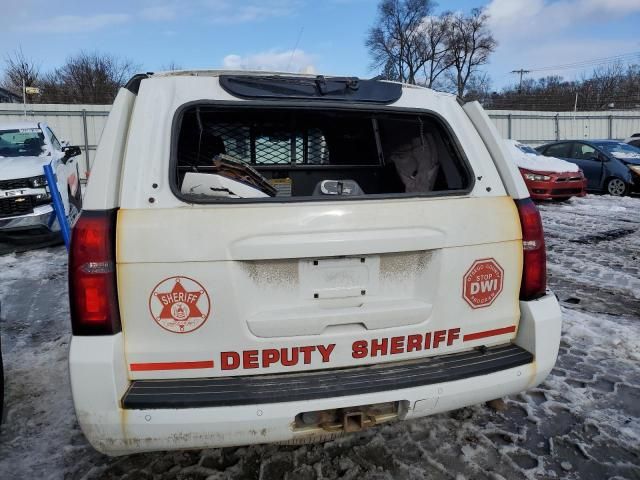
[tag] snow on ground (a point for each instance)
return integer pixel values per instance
(581, 423)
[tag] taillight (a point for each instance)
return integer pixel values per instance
(534, 272)
(93, 296)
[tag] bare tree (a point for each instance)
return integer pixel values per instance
(613, 86)
(88, 77)
(478, 88)
(171, 66)
(437, 59)
(604, 86)
(469, 44)
(19, 69)
(396, 41)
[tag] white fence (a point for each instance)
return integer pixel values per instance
(536, 128)
(82, 124)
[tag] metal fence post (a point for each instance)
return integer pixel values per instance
(86, 140)
(509, 126)
(610, 118)
(557, 126)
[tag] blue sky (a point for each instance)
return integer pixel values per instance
(263, 33)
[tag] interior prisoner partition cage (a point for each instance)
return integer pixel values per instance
(281, 153)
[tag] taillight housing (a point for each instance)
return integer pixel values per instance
(93, 295)
(534, 271)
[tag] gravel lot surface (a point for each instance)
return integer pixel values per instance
(582, 422)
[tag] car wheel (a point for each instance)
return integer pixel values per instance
(616, 187)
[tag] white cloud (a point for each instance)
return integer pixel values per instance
(273, 60)
(522, 18)
(26, 14)
(229, 11)
(75, 23)
(537, 33)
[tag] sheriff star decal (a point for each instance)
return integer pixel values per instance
(179, 304)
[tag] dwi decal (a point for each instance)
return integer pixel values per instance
(482, 283)
(179, 304)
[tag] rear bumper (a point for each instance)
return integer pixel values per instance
(99, 383)
(260, 389)
(38, 220)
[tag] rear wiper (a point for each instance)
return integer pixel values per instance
(351, 83)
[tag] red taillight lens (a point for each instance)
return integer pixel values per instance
(92, 274)
(534, 272)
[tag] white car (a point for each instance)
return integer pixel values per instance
(25, 200)
(286, 258)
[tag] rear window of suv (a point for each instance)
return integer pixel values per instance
(280, 154)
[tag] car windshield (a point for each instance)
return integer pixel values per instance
(527, 149)
(22, 142)
(622, 150)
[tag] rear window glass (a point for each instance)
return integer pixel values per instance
(259, 154)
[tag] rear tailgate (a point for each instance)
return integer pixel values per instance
(227, 290)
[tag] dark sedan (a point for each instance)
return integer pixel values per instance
(610, 166)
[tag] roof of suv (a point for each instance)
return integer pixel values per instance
(248, 84)
(217, 73)
(267, 73)
(259, 73)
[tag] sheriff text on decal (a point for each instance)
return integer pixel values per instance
(310, 354)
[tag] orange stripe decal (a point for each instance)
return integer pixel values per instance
(489, 333)
(145, 367)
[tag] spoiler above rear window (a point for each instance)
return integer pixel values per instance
(344, 89)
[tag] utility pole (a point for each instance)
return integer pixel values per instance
(24, 98)
(521, 72)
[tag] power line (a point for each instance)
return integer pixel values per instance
(521, 72)
(295, 47)
(591, 62)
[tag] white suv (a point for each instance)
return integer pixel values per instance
(286, 258)
(25, 200)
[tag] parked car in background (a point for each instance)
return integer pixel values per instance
(610, 166)
(547, 178)
(634, 140)
(25, 200)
